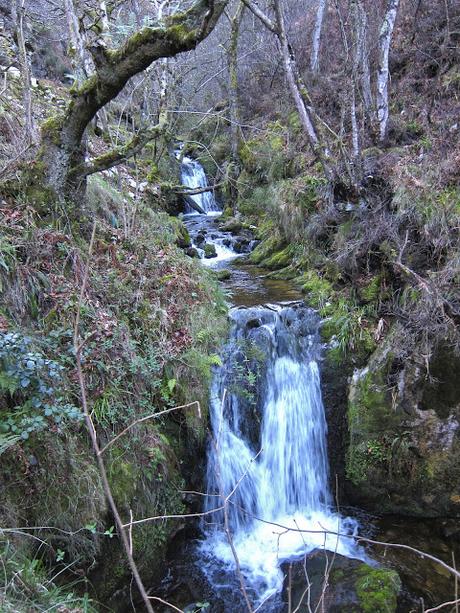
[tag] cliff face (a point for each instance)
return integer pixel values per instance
(404, 422)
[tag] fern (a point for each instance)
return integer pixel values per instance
(7, 441)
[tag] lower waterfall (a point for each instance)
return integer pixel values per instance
(268, 455)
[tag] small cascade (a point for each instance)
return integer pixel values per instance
(276, 473)
(193, 176)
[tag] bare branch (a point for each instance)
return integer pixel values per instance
(147, 417)
(268, 23)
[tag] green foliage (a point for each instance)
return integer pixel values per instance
(27, 587)
(265, 157)
(31, 385)
(318, 290)
(7, 441)
(377, 589)
(371, 291)
(7, 256)
(368, 454)
(348, 326)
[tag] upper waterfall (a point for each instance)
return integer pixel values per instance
(274, 476)
(193, 176)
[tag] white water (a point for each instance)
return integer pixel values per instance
(280, 504)
(193, 176)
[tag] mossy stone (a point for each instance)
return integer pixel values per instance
(377, 589)
(210, 251)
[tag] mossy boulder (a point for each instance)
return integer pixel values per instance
(377, 589)
(404, 450)
(210, 251)
(224, 274)
(352, 585)
(232, 225)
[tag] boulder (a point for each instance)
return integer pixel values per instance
(339, 584)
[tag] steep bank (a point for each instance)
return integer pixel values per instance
(153, 320)
(382, 271)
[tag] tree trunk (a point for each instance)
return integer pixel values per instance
(30, 130)
(62, 155)
(316, 41)
(300, 94)
(80, 59)
(383, 73)
(362, 54)
(232, 55)
(235, 132)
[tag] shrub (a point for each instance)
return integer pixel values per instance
(31, 385)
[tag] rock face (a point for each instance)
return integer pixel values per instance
(351, 585)
(404, 423)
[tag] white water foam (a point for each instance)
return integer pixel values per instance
(280, 506)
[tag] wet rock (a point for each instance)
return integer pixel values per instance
(404, 453)
(200, 238)
(209, 251)
(351, 585)
(241, 245)
(233, 226)
(224, 274)
(192, 252)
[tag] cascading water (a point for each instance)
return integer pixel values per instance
(275, 476)
(193, 176)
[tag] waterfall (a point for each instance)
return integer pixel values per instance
(193, 176)
(275, 475)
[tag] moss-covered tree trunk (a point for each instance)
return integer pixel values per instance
(61, 159)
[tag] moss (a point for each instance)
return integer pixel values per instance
(279, 259)
(123, 476)
(87, 86)
(377, 589)
(209, 250)
(224, 274)
(267, 249)
(51, 129)
(317, 289)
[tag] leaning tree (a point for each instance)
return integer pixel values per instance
(61, 166)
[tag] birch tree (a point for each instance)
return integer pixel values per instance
(19, 16)
(316, 39)
(232, 55)
(296, 84)
(361, 27)
(383, 72)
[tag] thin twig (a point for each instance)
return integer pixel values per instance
(92, 432)
(147, 417)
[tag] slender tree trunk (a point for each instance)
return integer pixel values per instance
(233, 82)
(235, 132)
(383, 73)
(30, 130)
(80, 58)
(362, 54)
(316, 41)
(354, 125)
(300, 94)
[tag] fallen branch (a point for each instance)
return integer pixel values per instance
(194, 191)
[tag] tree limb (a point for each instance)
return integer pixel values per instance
(119, 154)
(268, 23)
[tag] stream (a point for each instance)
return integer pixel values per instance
(268, 500)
